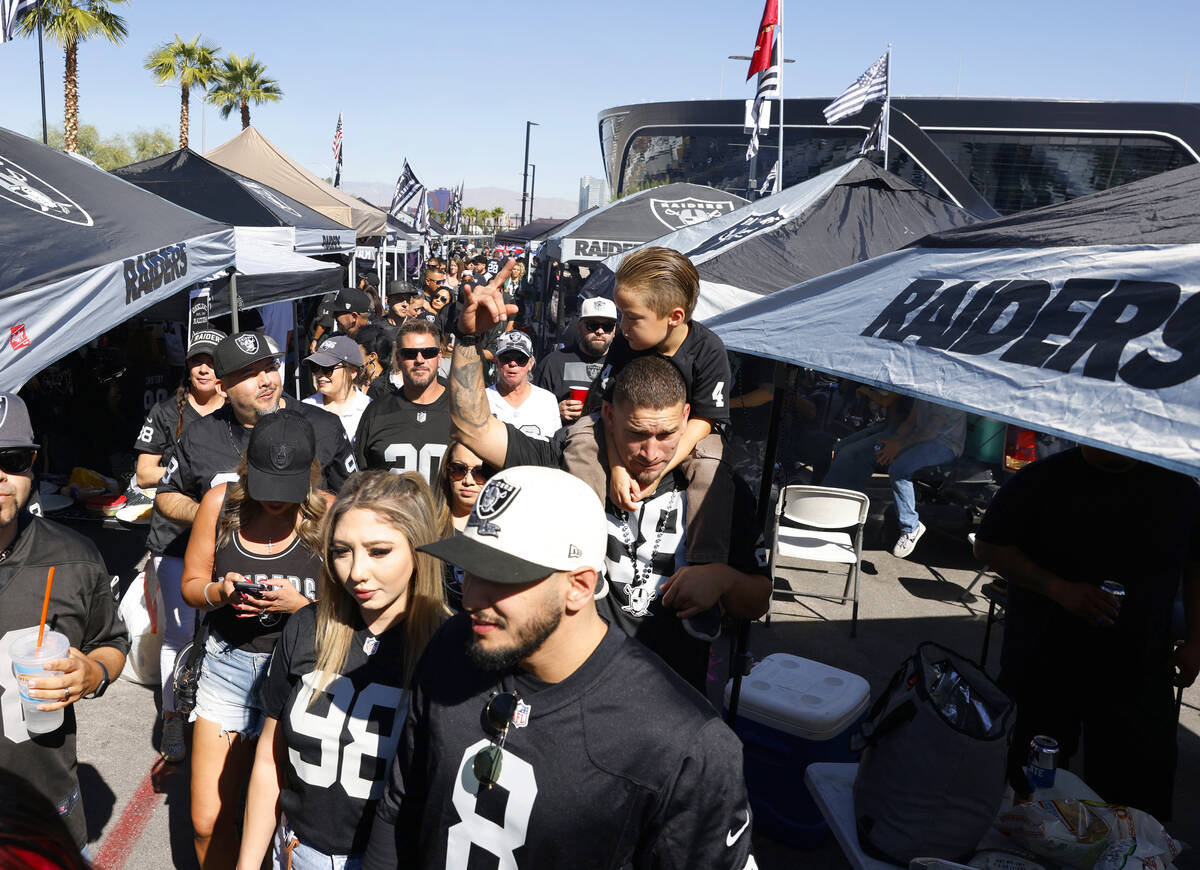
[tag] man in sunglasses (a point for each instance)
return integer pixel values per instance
(539, 736)
(81, 607)
(409, 429)
(567, 372)
(211, 448)
(351, 311)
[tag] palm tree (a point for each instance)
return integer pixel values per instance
(240, 81)
(497, 216)
(69, 22)
(193, 63)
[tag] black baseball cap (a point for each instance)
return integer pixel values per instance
(350, 301)
(279, 458)
(204, 341)
(400, 289)
(240, 350)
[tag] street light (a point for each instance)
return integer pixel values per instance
(532, 187)
(525, 177)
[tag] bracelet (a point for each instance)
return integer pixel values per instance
(466, 339)
(208, 586)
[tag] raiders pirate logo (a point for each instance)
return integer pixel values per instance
(247, 342)
(493, 501)
(326, 345)
(675, 214)
(740, 230)
(268, 195)
(21, 187)
(640, 597)
(281, 456)
(3, 410)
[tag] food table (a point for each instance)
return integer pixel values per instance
(832, 788)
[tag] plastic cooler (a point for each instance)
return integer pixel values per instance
(793, 712)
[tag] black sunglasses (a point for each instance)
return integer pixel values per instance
(411, 353)
(323, 370)
(17, 460)
(459, 470)
(496, 718)
(599, 325)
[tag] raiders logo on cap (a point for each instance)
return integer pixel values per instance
(493, 501)
(281, 456)
(247, 342)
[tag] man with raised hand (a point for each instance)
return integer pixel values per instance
(538, 735)
(648, 589)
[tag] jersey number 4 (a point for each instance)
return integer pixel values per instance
(328, 728)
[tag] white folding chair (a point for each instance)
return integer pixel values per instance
(820, 524)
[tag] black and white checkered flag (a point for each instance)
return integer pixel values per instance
(407, 188)
(768, 87)
(871, 85)
(10, 13)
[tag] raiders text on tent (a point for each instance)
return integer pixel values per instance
(147, 272)
(1024, 315)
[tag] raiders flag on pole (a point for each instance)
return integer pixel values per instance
(407, 188)
(11, 12)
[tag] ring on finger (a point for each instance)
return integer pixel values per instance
(66, 694)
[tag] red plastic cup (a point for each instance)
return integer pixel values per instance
(579, 394)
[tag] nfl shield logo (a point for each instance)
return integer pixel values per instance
(675, 214)
(420, 416)
(521, 715)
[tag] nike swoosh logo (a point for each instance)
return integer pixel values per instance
(732, 838)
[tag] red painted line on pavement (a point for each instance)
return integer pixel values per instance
(117, 846)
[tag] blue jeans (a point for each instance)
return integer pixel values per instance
(854, 458)
(228, 691)
(305, 857)
(901, 470)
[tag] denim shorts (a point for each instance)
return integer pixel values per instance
(228, 692)
(306, 857)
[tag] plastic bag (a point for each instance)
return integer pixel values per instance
(1090, 835)
(140, 608)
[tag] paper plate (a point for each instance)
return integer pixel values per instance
(53, 501)
(130, 515)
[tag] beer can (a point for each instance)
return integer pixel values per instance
(1043, 762)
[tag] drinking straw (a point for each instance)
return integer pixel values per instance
(45, 606)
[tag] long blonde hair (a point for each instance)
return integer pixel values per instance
(240, 508)
(405, 502)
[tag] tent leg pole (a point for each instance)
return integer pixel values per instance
(383, 273)
(354, 266)
(233, 301)
(296, 343)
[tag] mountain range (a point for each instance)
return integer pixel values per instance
(474, 197)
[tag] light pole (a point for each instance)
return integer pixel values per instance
(525, 175)
(532, 187)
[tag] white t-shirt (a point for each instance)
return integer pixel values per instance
(537, 416)
(350, 414)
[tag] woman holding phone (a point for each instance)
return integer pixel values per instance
(252, 560)
(337, 690)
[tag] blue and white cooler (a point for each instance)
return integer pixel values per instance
(793, 712)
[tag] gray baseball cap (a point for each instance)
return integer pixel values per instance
(15, 428)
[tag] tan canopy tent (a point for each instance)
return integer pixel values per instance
(253, 155)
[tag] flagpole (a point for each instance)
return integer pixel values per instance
(779, 174)
(887, 108)
(42, 74)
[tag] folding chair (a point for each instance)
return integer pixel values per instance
(984, 571)
(820, 524)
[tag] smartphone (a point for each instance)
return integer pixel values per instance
(255, 590)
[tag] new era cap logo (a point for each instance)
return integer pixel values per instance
(247, 343)
(493, 501)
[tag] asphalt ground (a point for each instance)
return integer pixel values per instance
(137, 807)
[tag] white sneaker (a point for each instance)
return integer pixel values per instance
(173, 747)
(907, 542)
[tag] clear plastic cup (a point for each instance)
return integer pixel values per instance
(30, 661)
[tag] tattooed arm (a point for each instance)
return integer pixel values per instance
(471, 420)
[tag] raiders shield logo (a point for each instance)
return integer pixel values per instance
(493, 501)
(675, 214)
(21, 187)
(281, 456)
(247, 342)
(268, 195)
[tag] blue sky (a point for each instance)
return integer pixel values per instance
(450, 85)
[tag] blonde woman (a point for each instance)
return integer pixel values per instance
(337, 691)
(253, 559)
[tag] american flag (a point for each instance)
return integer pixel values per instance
(10, 13)
(768, 86)
(337, 153)
(871, 85)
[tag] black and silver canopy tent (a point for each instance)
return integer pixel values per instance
(1080, 319)
(83, 251)
(843, 216)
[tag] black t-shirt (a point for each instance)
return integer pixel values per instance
(82, 608)
(619, 765)
(1139, 527)
(400, 435)
(702, 361)
(297, 564)
(339, 749)
(157, 435)
(564, 369)
(630, 597)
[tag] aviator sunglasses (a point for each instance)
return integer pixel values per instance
(496, 718)
(17, 460)
(411, 353)
(459, 470)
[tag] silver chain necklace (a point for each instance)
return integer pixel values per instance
(640, 577)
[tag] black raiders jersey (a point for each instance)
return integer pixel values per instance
(339, 747)
(619, 765)
(157, 435)
(399, 435)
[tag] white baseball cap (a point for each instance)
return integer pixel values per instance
(598, 306)
(528, 523)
